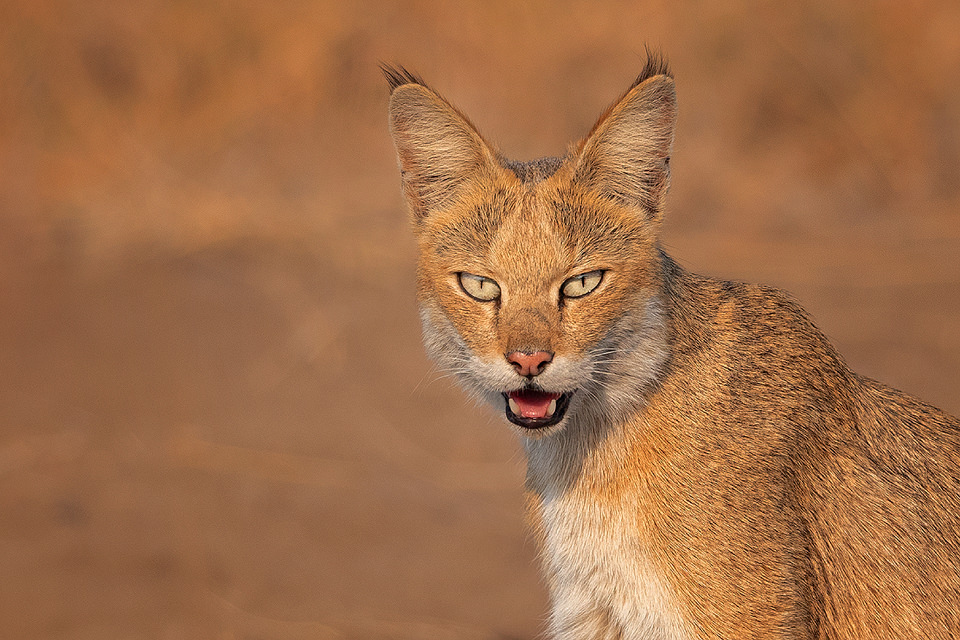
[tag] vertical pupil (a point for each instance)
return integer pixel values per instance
(583, 281)
(481, 285)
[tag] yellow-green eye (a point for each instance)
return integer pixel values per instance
(581, 285)
(478, 287)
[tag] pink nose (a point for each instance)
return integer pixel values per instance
(529, 364)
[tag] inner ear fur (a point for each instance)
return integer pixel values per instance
(438, 149)
(626, 157)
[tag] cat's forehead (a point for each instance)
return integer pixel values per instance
(531, 238)
(538, 225)
(509, 220)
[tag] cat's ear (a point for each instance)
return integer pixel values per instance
(438, 149)
(626, 156)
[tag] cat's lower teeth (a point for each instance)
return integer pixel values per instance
(514, 407)
(552, 407)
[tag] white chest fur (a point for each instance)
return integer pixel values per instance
(603, 580)
(603, 584)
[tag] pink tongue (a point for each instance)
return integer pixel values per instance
(533, 404)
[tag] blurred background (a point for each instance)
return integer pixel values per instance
(215, 417)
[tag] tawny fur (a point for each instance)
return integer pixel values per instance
(720, 473)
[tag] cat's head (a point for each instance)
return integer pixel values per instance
(539, 282)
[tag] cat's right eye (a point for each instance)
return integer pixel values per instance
(479, 287)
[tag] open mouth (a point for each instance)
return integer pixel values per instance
(533, 409)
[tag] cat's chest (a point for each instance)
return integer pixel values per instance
(599, 560)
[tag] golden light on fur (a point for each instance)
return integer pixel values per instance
(701, 462)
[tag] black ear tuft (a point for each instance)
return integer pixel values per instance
(398, 76)
(656, 65)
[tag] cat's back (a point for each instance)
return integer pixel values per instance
(870, 476)
(881, 494)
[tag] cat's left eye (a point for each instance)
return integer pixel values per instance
(581, 285)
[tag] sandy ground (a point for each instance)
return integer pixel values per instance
(216, 420)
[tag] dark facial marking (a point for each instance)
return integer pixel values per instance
(533, 171)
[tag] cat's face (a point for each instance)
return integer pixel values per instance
(538, 283)
(539, 297)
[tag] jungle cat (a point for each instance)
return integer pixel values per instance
(701, 462)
